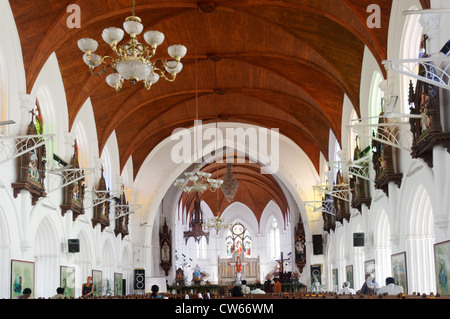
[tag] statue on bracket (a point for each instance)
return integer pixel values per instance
(383, 159)
(359, 186)
(123, 216)
(101, 210)
(300, 247)
(31, 166)
(341, 206)
(166, 249)
(427, 131)
(74, 192)
(328, 213)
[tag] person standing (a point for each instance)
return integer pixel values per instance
(277, 285)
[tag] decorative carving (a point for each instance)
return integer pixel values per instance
(196, 223)
(73, 193)
(300, 248)
(31, 166)
(427, 131)
(341, 206)
(383, 161)
(165, 243)
(122, 215)
(360, 187)
(102, 210)
(328, 213)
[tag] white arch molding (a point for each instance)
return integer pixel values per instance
(163, 172)
(420, 241)
(46, 258)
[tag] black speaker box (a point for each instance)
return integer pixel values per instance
(358, 239)
(139, 279)
(317, 245)
(73, 245)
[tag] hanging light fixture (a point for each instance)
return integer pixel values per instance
(230, 183)
(216, 222)
(197, 182)
(134, 60)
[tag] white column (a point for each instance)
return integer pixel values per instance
(431, 27)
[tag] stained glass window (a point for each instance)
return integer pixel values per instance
(238, 240)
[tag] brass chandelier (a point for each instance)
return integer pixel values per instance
(230, 183)
(134, 60)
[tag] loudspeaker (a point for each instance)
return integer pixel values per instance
(139, 279)
(358, 239)
(74, 245)
(317, 245)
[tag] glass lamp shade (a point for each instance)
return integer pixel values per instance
(114, 80)
(177, 51)
(134, 70)
(154, 38)
(133, 27)
(174, 67)
(152, 78)
(94, 61)
(112, 34)
(87, 44)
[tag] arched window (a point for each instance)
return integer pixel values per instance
(376, 96)
(411, 47)
(274, 240)
(201, 248)
(238, 240)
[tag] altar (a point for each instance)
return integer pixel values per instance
(228, 269)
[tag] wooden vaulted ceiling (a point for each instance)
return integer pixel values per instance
(276, 64)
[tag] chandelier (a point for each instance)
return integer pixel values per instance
(197, 182)
(217, 223)
(134, 60)
(230, 183)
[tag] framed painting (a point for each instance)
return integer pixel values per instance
(22, 276)
(67, 281)
(97, 281)
(369, 267)
(349, 274)
(399, 270)
(335, 279)
(118, 284)
(442, 263)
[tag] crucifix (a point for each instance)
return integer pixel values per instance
(281, 263)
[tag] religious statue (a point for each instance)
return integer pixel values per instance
(33, 172)
(238, 267)
(197, 276)
(165, 252)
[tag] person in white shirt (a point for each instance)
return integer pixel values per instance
(258, 290)
(391, 288)
(245, 288)
(346, 289)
